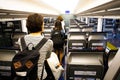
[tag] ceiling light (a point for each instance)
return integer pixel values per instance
(3, 13)
(62, 6)
(99, 11)
(18, 14)
(114, 9)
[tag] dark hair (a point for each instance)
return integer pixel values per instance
(34, 23)
(58, 25)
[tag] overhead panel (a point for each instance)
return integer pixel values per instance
(21, 8)
(88, 4)
(27, 6)
(108, 9)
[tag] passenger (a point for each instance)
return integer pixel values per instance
(62, 21)
(58, 36)
(35, 27)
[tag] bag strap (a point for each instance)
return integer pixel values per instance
(23, 44)
(41, 43)
(38, 46)
(42, 71)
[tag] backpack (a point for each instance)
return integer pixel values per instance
(57, 38)
(24, 63)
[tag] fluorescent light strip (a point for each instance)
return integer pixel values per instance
(3, 13)
(114, 9)
(18, 14)
(95, 12)
(99, 11)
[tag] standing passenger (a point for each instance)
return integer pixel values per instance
(35, 28)
(58, 36)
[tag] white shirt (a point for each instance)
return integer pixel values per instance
(63, 25)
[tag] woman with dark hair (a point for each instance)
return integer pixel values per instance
(57, 35)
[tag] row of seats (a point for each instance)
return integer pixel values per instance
(82, 41)
(85, 66)
(9, 30)
(80, 28)
(47, 31)
(5, 63)
(80, 65)
(7, 42)
(83, 63)
(89, 64)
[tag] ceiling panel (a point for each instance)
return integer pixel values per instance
(111, 8)
(4, 13)
(22, 8)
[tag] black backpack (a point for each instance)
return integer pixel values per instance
(25, 63)
(57, 38)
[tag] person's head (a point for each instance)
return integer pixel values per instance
(58, 25)
(60, 18)
(34, 23)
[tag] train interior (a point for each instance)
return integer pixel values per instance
(92, 28)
